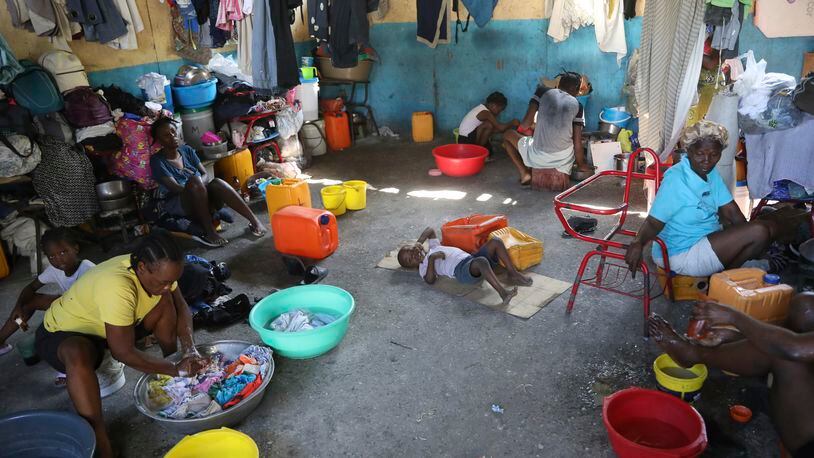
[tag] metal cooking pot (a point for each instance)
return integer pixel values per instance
(113, 189)
(116, 204)
(190, 75)
(578, 175)
(608, 128)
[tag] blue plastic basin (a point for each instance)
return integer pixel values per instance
(312, 298)
(46, 434)
(195, 96)
(616, 115)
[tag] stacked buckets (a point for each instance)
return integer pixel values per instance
(350, 195)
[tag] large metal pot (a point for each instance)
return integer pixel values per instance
(113, 189)
(116, 204)
(231, 349)
(608, 128)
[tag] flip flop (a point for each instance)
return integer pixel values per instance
(294, 266)
(5, 349)
(257, 231)
(314, 274)
(203, 241)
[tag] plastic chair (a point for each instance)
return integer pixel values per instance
(610, 276)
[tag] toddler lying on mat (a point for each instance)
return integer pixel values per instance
(455, 263)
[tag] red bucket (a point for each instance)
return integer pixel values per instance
(460, 160)
(650, 424)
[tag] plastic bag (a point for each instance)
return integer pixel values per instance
(780, 113)
(153, 85)
(753, 73)
(226, 66)
(289, 122)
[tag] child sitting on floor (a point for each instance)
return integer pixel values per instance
(481, 122)
(455, 263)
(66, 267)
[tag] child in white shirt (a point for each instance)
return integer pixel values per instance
(65, 268)
(453, 262)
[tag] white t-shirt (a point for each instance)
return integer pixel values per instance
(471, 121)
(443, 267)
(53, 275)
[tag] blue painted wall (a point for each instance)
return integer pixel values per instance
(509, 56)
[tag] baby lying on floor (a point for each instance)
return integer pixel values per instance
(455, 263)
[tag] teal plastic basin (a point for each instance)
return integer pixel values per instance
(312, 298)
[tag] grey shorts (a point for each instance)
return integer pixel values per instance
(463, 274)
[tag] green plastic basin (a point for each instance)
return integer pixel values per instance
(312, 298)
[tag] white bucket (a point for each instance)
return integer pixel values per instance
(193, 125)
(308, 95)
(312, 140)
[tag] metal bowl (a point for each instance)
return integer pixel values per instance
(190, 75)
(231, 349)
(608, 128)
(113, 189)
(116, 204)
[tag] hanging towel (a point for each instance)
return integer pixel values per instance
(609, 26)
(481, 10)
(671, 52)
(264, 54)
(244, 40)
(569, 15)
(432, 22)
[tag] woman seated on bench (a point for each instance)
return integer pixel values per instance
(695, 215)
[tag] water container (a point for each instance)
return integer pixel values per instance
(308, 94)
(291, 191)
(471, 232)
(307, 232)
(237, 165)
(746, 290)
(195, 123)
(422, 127)
(337, 129)
(311, 138)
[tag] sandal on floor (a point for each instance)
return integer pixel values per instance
(60, 381)
(294, 266)
(257, 231)
(5, 349)
(210, 243)
(314, 274)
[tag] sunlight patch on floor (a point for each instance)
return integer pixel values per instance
(445, 194)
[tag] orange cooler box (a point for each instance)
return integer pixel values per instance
(307, 232)
(745, 290)
(291, 191)
(472, 232)
(237, 165)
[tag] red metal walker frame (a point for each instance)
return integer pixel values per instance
(610, 276)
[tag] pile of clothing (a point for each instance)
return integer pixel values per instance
(300, 320)
(221, 385)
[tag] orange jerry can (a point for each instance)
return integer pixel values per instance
(291, 191)
(747, 290)
(4, 269)
(472, 232)
(337, 129)
(237, 165)
(307, 232)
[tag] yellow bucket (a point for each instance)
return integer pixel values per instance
(356, 194)
(215, 443)
(676, 380)
(333, 199)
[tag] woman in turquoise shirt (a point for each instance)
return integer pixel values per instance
(695, 215)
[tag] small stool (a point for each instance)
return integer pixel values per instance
(685, 288)
(549, 180)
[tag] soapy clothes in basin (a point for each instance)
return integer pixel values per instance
(300, 320)
(219, 386)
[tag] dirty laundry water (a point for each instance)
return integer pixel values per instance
(300, 320)
(219, 386)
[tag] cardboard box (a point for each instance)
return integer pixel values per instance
(778, 18)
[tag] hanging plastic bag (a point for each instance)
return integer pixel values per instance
(753, 73)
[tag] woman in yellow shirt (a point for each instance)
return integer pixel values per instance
(112, 305)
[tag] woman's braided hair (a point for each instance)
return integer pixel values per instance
(157, 246)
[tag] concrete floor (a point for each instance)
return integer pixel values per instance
(371, 397)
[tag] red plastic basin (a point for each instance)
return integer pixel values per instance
(647, 423)
(459, 160)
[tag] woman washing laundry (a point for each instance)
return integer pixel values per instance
(696, 217)
(185, 189)
(110, 307)
(557, 140)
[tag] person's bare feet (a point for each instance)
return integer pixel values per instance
(520, 279)
(525, 180)
(257, 229)
(667, 339)
(215, 239)
(508, 295)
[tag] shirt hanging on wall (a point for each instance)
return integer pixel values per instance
(432, 22)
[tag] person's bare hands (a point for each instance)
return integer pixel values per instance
(633, 257)
(191, 365)
(712, 338)
(714, 314)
